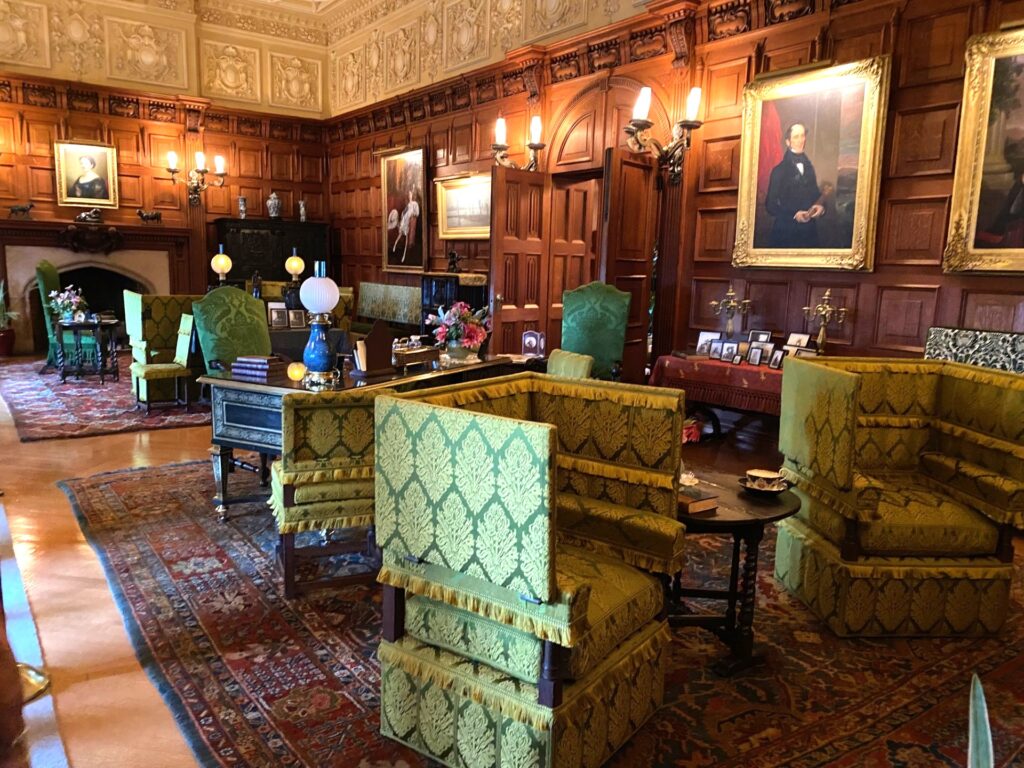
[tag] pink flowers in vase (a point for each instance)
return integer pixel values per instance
(68, 301)
(460, 325)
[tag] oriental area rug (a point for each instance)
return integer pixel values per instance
(256, 680)
(45, 409)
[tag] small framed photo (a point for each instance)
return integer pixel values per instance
(805, 353)
(296, 318)
(766, 347)
(777, 357)
(729, 350)
(277, 314)
(761, 336)
(715, 353)
(737, 359)
(704, 341)
(798, 340)
(533, 344)
(754, 355)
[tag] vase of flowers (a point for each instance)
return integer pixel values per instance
(460, 328)
(67, 302)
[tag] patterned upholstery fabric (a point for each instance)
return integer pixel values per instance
(569, 365)
(152, 322)
(898, 460)
(180, 367)
(230, 323)
(465, 515)
(594, 323)
(398, 304)
(48, 279)
(989, 349)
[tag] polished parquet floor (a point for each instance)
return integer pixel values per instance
(108, 711)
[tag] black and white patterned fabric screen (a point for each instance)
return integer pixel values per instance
(989, 349)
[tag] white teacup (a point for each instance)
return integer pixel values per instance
(765, 479)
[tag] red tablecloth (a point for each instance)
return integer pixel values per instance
(743, 387)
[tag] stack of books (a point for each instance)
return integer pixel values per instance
(697, 500)
(257, 367)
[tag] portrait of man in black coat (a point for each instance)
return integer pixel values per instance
(794, 200)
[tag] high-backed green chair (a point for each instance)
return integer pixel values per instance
(500, 646)
(178, 370)
(324, 478)
(48, 279)
(594, 320)
(230, 322)
(152, 322)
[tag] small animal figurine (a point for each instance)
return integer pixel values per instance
(453, 261)
(20, 210)
(92, 216)
(156, 216)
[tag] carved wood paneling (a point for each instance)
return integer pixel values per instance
(842, 296)
(720, 164)
(992, 311)
(914, 231)
(927, 141)
(716, 234)
(769, 302)
(933, 45)
(904, 313)
(724, 89)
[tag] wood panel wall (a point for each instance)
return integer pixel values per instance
(264, 154)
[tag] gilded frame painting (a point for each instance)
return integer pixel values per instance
(810, 167)
(404, 195)
(86, 174)
(986, 223)
(464, 207)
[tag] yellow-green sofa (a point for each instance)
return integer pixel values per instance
(911, 476)
(152, 323)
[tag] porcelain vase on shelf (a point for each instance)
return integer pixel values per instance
(459, 352)
(242, 209)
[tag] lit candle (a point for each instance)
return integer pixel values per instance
(500, 132)
(218, 164)
(642, 108)
(693, 104)
(172, 160)
(296, 371)
(200, 161)
(535, 129)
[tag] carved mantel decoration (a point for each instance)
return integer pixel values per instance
(91, 239)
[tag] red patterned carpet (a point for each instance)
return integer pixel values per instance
(45, 409)
(254, 680)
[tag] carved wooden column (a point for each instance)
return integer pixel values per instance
(195, 110)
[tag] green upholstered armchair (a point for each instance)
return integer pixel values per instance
(180, 368)
(324, 478)
(569, 365)
(48, 279)
(911, 475)
(594, 323)
(152, 322)
(500, 646)
(230, 322)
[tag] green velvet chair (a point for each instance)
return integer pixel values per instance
(48, 280)
(230, 322)
(324, 480)
(152, 322)
(569, 365)
(594, 323)
(500, 646)
(179, 370)
(911, 478)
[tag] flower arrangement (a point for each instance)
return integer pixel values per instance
(460, 326)
(70, 300)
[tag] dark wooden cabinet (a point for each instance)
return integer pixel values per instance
(264, 244)
(442, 289)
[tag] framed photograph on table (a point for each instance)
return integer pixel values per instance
(729, 350)
(737, 359)
(798, 340)
(86, 174)
(296, 318)
(715, 350)
(704, 341)
(805, 353)
(810, 167)
(754, 355)
(776, 360)
(759, 336)
(403, 210)
(277, 315)
(464, 207)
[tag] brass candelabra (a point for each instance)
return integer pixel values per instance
(729, 306)
(824, 312)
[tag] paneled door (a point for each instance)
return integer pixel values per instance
(520, 203)
(629, 219)
(573, 232)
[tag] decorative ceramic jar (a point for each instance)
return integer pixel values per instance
(241, 207)
(274, 206)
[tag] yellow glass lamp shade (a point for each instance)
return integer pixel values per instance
(221, 263)
(296, 371)
(294, 265)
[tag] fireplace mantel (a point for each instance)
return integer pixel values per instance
(145, 237)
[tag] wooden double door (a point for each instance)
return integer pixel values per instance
(550, 234)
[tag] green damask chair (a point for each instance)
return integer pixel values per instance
(324, 481)
(569, 365)
(500, 646)
(152, 322)
(911, 478)
(594, 323)
(178, 370)
(48, 279)
(230, 322)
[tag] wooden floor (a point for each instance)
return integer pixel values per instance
(108, 712)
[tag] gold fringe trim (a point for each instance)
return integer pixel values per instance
(642, 560)
(544, 628)
(324, 524)
(325, 475)
(894, 422)
(648, 477)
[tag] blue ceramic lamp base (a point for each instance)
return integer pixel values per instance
(318, 356)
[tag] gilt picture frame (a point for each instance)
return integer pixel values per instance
(86, 174)
(986, 228)
(811, 166)
(464, 207)
(404, 195)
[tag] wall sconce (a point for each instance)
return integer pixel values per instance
(729, 306)
(671, 155)
(500, 145)
(221, 263)
(825, 313)
(196, 182)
